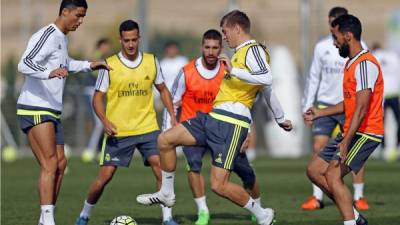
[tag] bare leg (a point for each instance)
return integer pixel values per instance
(342, 195)
(316, 172)
(154, 162)
(220, 185)
(96, 188)
(42, 140)
(168, 140)
(61, 165)
(196, 182)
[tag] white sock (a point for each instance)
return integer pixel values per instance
(258, 201)
(255, 209)
(166, 212)
(167, 185)
(317, 192)
(86, 210)
(356, 213)
(358, 191)
(350, 222)
(201, 204)
(47, 214)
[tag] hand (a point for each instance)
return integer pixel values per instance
(223, 58)
(60, 73)
(286, 125)
(96, 65)
(343, 147)
(310, 115)
(245, 144)
(173, 122)
(109, 128)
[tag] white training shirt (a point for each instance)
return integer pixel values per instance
(170, 68)
(324, 83)
(47, 50)
(259, 74)
(390, 66)
(103, 80)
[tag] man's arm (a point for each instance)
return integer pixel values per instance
(99, 108)
(76, 66)
(39, 48)
(177, 91)
(312, 82)
(276, 108)
(256, 61)
(167, 101)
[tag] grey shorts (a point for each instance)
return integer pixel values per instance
(325, 125)
(118, 151)
(361, 147)
(30, 118)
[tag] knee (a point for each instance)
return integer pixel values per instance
(332, 178)
(104, 178)
(62, 164)
(217, 187)
(313, 172)
(50, 164)
(163, 142)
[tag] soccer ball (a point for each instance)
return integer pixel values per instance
(123, 220)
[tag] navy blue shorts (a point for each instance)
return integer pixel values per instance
(361, 147)
(222, 132)
(30, 118)
(194, 156)
(118, 151)
(325, 125)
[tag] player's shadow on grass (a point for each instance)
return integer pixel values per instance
(214, 217)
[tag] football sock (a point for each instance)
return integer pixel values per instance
(201, 204)
(86, 210)
(358, 191)
(317, 192)
(350, 222)
(258, 201)
(255, 209)
(166, 212)
(47, 214)
(167, 185)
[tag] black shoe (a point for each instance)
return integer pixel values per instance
(361, 220)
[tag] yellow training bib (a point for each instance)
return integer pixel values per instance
(130, 105)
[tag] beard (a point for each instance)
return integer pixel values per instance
(344, 50)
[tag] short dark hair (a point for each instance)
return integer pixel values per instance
(213, 35)
(236, 17)
(102, 41)
(170, 43)
(348, 23)
(337, 11)
(128, 25)
(72, 4)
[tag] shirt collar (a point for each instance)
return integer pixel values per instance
(355, 57)
(252, 41)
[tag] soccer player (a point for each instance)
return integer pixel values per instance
(194, 90)
(390, 63)
(225, 128)
(325, 84)
(129, 118)
(363, 127)
(45, 64)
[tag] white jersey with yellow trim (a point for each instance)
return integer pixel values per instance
(47, 50)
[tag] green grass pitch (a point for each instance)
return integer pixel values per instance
(283, 183)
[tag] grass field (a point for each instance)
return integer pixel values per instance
(283, 183)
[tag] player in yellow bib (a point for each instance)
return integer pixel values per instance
(225, 128)
(129, 119)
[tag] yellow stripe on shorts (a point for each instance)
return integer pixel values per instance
(356, 148)
(232, 147)
(103, 147)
